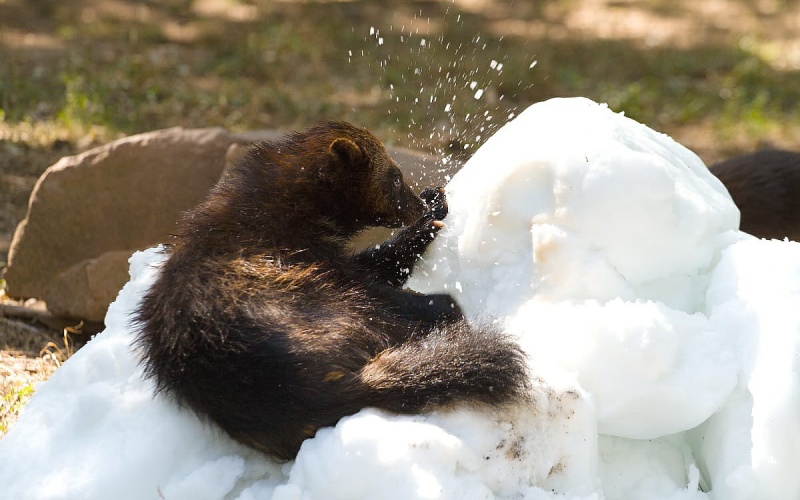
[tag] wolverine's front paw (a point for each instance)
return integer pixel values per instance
(436, 201)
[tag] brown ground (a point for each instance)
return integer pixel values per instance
(28, 355)
(721, 76)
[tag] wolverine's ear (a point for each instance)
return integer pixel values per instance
(346, 151)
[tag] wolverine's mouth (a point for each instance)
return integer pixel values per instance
(403, 216)
(410, 214)
(403, 212)
(390, 222)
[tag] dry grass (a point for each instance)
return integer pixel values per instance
(29, 355)
(19, 375)
(721, 76)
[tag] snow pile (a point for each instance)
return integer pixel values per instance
(664, 346)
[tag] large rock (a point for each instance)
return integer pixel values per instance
(87, 288)
(125, 195)
(88, 212)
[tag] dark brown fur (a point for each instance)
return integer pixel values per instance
(264, 323)
(765, 185)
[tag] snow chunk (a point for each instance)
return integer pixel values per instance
(592, 206)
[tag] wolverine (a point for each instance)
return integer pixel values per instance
(264, 322)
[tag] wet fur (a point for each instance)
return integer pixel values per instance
(264, 323)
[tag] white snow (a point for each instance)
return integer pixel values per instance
(664, 347)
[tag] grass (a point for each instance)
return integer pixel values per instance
(437, 75)
(28, 356)
(288, 64)
(14, 398)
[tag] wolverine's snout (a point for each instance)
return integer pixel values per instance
(411, 207)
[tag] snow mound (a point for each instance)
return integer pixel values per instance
(571, 201)
(663, 345)
(596, 241)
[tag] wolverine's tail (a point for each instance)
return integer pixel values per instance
(276, 395)
(453, 364)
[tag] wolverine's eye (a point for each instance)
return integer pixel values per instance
(397, 182)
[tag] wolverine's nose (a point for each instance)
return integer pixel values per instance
(412, 208)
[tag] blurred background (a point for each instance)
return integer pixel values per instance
(720, 76)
